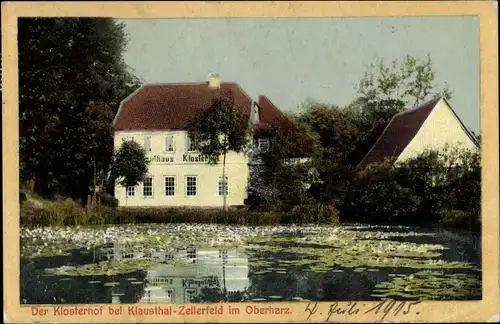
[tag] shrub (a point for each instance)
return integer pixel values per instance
(315, 213)
(108, 200)
(56, 213)
(440, 188)
(457, 218)
(65, 212)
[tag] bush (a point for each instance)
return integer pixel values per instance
(435, 188)
(65, 212)
(315, 213)
(457, 218)
(108, 200)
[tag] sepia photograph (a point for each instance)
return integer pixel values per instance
(185, 166)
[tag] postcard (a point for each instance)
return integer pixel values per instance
(260, 162)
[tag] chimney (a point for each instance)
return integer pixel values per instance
(214, 81)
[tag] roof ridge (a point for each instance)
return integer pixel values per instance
(421, 105)
(184, 83)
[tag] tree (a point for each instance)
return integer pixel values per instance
(336, 131)
(408, 79)
(218, 130)
(71, 79)
(130, 165)
(280, 183)
(290, 138)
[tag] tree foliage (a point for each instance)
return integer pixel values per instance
(219, 129)
(289, 139)
(336, 131)
(409, 80)
(431, 188)
(130, 164)
(71, 79)
(282, 180)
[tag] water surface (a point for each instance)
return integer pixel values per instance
(167, 263)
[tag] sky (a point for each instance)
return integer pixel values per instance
(291, 60)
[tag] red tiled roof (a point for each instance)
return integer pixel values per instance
(173, 106)
(399, 132)
(269, 115)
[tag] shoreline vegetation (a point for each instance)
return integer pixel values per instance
(37, 212)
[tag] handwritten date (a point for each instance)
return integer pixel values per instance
(384, 308)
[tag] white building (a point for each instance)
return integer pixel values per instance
(157, 116)
(430, 126)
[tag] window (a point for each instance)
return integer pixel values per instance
(147, 187)
(191, 185)
(221, 185)
(190, 295)
(169, 294)
(169, 186)
(191, 255)
(223, 254)
(190, 143)
(263, 144)
(130, 191)
(147, 143)
(169, 143)
(128, 138)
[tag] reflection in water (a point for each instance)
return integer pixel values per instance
(207, 274)
(182, 275)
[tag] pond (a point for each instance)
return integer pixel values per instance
(180, 263)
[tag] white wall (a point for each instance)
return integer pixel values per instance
(175, 164)
(441, 128)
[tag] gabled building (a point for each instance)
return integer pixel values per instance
(157, 116)
(432, 125)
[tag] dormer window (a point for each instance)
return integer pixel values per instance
(256, 111)
(263, 144)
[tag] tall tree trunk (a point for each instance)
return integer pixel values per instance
(95, 184)
(224, 187)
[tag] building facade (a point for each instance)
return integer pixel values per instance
(157, 117)
(430, 126)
